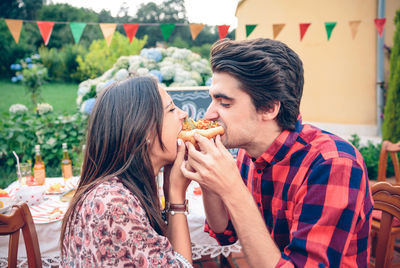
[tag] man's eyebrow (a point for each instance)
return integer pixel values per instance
(169, 104)
(222, 96)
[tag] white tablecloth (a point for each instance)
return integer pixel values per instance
(49, 234)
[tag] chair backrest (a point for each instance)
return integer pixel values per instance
(392, 149)
(21, 219)
(386, 199)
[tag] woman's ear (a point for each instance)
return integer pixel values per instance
(271, 113)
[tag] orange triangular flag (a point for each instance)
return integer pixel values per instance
(195, 29)
(354, 27)
(131, 30)
(108, 30)
(15, 28)
(380, 23)
(45, 28)
(277, 28)
(303, 29)
(223, 31)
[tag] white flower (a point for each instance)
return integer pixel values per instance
(43, 108)
(142, 71)
(168, 72)
(83, 90)
(196, 77)
(51, 141)
(99, 88)
(18, 109)
(121, 75)
(182, 75)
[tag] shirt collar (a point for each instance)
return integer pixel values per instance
(281, 145)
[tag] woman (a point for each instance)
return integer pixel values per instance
(115, 217)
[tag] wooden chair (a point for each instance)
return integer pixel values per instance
(21, 219)
(386, 199)
(392, 149)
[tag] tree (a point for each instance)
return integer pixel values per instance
(391, 123)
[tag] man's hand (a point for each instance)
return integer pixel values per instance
(213, 167)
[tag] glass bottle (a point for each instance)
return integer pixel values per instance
(39, 172)
(66, 163)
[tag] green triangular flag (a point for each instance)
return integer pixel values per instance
(77, 30)
(250, 28)
(166, 30)
(329, 28)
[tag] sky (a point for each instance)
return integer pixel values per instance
(212, 12)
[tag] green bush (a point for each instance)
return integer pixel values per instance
(62, 63)
(391, 123)
(102, 57)
(371, 153)
(21, 132)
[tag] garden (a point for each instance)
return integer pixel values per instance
(49, 91)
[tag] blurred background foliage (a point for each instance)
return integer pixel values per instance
(61, 55)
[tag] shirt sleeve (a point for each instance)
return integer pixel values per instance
(225, 238)
(331, 217)
(120, 233)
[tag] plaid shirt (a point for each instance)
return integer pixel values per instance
(312, 189)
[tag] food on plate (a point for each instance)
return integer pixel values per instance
(55, 214)
(3, 193)
(204, 127)
(56, 188)
(68, 196)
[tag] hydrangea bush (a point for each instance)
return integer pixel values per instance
(172, 67)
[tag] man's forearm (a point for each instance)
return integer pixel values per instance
(216, 213)
(258, 246)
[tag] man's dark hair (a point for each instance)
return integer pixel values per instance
(268, 70)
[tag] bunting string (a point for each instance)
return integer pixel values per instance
(108, 29)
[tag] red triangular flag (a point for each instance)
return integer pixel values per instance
(223, 31)
(380, 23)
(131, 30)
(303, 29)
(45, 28)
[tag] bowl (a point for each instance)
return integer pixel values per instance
(31, 195)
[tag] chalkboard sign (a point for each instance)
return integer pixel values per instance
(193, 101)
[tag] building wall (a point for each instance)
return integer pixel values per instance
(340, 74)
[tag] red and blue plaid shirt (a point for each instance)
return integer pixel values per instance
(312, 189)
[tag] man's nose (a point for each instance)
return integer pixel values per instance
(211, 114)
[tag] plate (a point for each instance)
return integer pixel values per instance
(56, 188)
(66, 197)
(5, 209)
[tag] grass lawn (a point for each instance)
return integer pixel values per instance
(61, 96)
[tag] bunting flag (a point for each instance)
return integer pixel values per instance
(45, 28)
(250, 28)
(130, 30)
(276, 29)
(166, 30)
(380, 23)
(223, 31)
(108, 30)
(354, 27)
(303, 29)
(15, 28)
(77, 30)
(329, 28)
(195, 29)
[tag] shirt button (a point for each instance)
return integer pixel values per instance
(259, 171)
(258, 204)
(254, 159)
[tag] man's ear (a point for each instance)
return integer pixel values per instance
(272, 113)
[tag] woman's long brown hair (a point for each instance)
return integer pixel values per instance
(124, 116)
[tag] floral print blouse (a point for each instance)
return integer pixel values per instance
(110, 228)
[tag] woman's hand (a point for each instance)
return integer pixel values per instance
(175, 184)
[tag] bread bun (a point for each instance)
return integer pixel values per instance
(208, 129)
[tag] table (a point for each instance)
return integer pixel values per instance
(48, 230)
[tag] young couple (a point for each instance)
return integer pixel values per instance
(296, 196)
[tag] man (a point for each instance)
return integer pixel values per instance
(300, 196)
